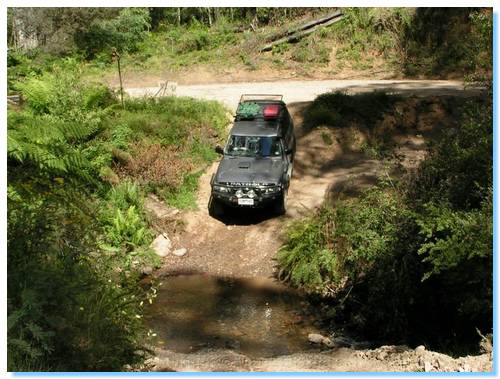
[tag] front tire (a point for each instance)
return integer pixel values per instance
(215, 207)
(280, 205)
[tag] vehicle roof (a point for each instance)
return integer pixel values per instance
(259, 127)
(265, 101)
(256, 97)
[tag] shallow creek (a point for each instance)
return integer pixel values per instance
(256, 317)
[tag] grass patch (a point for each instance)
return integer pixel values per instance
(171, 140)
(183, 197)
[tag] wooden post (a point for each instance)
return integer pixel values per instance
(115, 55)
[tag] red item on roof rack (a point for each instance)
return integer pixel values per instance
(271, 111)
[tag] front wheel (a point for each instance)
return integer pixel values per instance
(280, 204)
(215, 208)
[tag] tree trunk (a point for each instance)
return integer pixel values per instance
(178, 16)
(209, 17)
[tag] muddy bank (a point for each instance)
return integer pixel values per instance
(383, 359)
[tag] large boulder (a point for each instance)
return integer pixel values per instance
(162, 245)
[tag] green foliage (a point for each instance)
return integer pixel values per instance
(452, 238)
(370, 29)
(172, 119)
(124, 32)
(443, 41)
(63, 314)
(339, 109)
(183, 197)
(61, 115)
(124, 225)
(311, 51)
(82, 243)
(338, 245)
(44, 143)
(407, 252)
(305, 259)
(459, 167)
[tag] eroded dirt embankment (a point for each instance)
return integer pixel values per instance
(330, 162)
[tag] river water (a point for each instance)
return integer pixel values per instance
(256, 317)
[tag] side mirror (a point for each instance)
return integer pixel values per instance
(219, 150)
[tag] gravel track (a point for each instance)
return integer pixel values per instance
(307, 90)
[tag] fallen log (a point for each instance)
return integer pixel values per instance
(307, 25)
(298, 36)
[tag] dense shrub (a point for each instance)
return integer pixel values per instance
(410, 261)
(78, 236)
(339, 109)
(124, 32)
(63, 314)
(448, 41)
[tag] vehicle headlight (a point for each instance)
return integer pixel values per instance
(239, 193)
(251, 194)
(271, 189)
(221, 189)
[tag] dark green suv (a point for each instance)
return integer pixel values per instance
(257, 162)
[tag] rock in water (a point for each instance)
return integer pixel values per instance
(162, 245)
(315, 338)
(180, 252)
(328, 342)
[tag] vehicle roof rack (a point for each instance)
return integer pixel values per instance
(256, 97)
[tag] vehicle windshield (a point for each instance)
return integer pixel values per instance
(253, 146)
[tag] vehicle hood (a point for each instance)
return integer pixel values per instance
(249, 170)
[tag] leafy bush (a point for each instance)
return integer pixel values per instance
(338, 109)
(440, 41)
(63, 313)
(458, 170)
(453, 238)
(339, 245)
(414, 251)
(76, 229)
(124, 32)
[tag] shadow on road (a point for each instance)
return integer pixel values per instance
(244, 216)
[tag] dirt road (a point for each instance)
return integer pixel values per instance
(306, 90)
